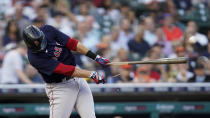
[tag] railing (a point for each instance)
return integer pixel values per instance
(119, 88)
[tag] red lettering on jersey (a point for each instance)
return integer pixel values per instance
(57, 51)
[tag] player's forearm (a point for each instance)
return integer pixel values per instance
(81, 49)
(81, 73)
(85, 51)
(23, 77)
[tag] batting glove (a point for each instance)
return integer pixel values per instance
(102, 61)
(97, 78)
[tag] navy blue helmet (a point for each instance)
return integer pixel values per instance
(34, 38)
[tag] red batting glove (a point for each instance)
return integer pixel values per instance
(102, 61)
(97, 78)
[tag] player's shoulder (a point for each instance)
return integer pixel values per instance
(47, 28)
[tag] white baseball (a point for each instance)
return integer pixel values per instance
(192, 39)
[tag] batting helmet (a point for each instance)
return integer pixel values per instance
(34, 38)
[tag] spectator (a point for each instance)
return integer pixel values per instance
(179, 52)
(63, 18)
(192, 30)
(206, 62)
(114, 40)
(81, 31)
(149, 33)
(42, 13)
(157, 71)
(122, 54)
(142, 74)
(38, 22)
(156, 51)
(92, 36)
(12, 34)
(9, 47)
(31, 8)
(190, 47)
(125, 34)
(171, 32)
(200, 75)
(83, 11)
(13, 67)
(62, 23)
(178, 23)
(113, 12)
(125, 74)
(172, 73)
(183, 74)
(92, 24)
(132, 19)
(125, 10)
(104, 46)
(170, 6)
(167, 45)
(138, 45)
(93, 28)
(21, 20)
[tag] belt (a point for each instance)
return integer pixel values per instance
(60, 80)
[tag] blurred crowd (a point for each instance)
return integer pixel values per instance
(121, 30)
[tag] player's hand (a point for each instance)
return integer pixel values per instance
(97, 78)
(102, 61)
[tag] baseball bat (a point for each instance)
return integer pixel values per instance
(179, 60)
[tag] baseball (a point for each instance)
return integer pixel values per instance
(192, 39)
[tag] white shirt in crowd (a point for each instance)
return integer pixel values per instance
(11, 63)
(201, 39)
(123, 39)
(150, 37)
(180, 77)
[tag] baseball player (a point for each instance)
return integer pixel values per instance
(49, 51)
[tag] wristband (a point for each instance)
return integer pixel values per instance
(91, 55)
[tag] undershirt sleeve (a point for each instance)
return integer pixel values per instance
(67, 70)
(72, 44)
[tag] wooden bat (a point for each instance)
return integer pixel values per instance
(179, 60)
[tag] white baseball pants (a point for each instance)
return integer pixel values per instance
(64, 96)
